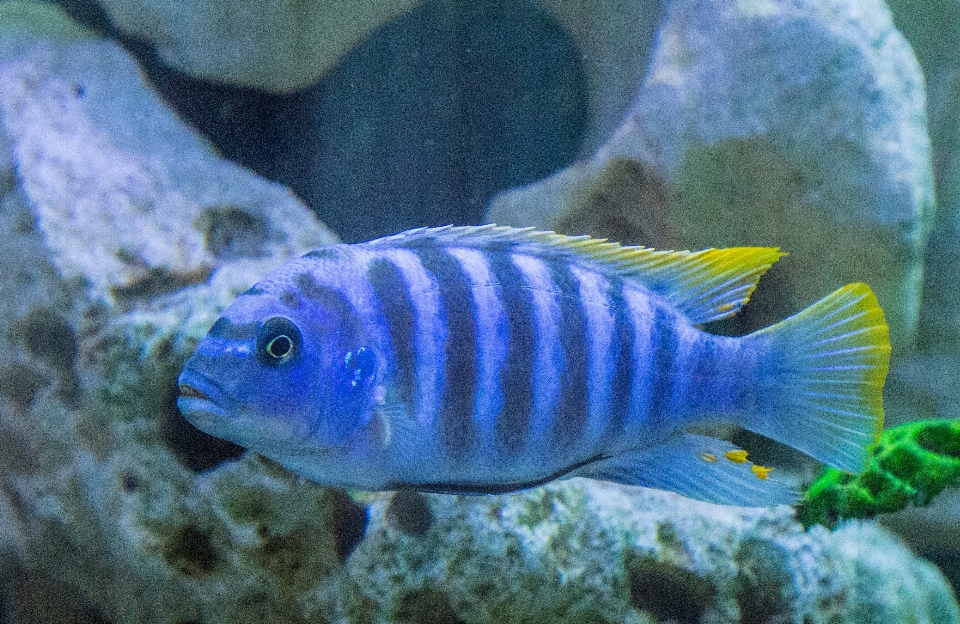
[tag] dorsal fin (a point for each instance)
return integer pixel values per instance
(705, 285)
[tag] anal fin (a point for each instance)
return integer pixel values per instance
(697, 467)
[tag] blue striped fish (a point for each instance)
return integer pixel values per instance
(491, 359)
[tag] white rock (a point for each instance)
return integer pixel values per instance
(279, 46)
(95, 151)
(615, 39)
(797, 124)
(97, 497)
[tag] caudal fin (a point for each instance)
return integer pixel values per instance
(822, 384)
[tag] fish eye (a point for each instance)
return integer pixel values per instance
(278, 342)
(280, 347)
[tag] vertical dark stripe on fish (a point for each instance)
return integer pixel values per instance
(225, 328)
(290, 299)
(332, 300)
(397, 308)
(702, 364)
(516, 376)
(572, 410)
(663, 340)
(457, 429)
(621, 354)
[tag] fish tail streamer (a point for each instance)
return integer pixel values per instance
(822, 378)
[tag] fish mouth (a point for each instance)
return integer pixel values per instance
(189, 392)
(200, 400)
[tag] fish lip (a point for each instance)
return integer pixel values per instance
(199, 397)
(189, 392)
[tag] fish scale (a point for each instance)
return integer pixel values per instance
(489, 359)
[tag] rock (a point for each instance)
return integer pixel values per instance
(793, 124)
(94, 150)
(615, 39)
(107, 204)
(585, 551)
(475, 98)
(291, 46)
(933, 30)
(279, 46)
(31, 19)
(107, 495)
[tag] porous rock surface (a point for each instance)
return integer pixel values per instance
(933, 31)
(95, 152)
(283, 46)
(798, 124)
(277, 45)
(108, 496)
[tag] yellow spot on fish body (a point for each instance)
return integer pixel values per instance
(761, 472)
(726, 307)
(710, 457)
(737, 457)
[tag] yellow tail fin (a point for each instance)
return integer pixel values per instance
(823, 382)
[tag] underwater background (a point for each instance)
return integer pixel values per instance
(157, 158)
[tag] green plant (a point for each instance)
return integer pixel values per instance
(911, 464)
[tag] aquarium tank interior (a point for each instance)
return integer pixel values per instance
(266, 357)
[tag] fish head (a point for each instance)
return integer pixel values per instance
(280, 379)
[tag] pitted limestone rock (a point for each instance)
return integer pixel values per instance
(100, 496)
(792, 124)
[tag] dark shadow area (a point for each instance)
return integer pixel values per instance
(764, 590)
(348, 520)
(193, 448)
(426, 606)
(409, 512)
(419, 124)
(668, 592)
(191, 551)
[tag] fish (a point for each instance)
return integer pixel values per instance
(490, 359)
